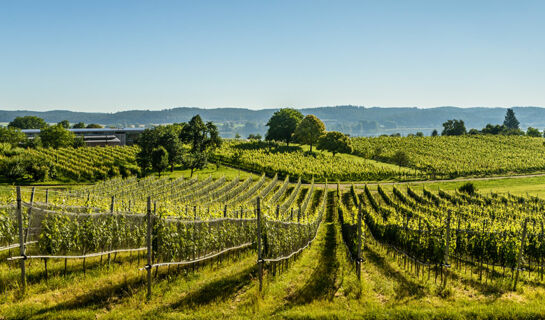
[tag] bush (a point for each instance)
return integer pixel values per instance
(468, 188)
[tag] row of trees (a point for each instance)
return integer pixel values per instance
(55, 136)
(289, 125)
(187, 144)
(510, 126)
(51, 136)
(33, 122)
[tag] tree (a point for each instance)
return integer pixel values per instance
(65, 124)
(434, 133)
(309, 130)
(159, 159)
(79, 125)
(491, 129)
(237, 136)
(511, 121)
(94, 126)
(165, 136)
(454, 128)
(13, 136)
(282, 125)
(400, 158)
(203, 138)
(420, 134)
(28, 122)
(195, 160)
(57, 137)
(252, 136)
(169, 139)
(533, 132)
(334, 142)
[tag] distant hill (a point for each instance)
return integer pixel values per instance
(354, 120)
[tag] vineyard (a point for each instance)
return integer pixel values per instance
(272, 158)
(190, 221)
(290, 245)
(450, 157)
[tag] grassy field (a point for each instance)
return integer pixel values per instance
(320, 284)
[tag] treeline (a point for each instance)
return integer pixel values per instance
(510, 126)
(51, 136)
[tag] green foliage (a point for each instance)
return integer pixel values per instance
(454, 128)
(533, 132)
(28, 122)
(335, 142)
(94, 126)
(65, 124)
(400, 158)
(511, 121)
(195, 160)
(12, 135)
(468, 188)
(252, 136)
(159, 159)
(434, 133)
(79, 125)
(57, 137)
(309, 130)
(273, 158)
(455, 156)
(282, 125)
(164, 136)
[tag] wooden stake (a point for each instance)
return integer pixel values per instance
(21, 240)
(148, 242)
(519, 258)
(259, 257)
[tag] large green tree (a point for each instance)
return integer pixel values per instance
(282, 125)
(309, 130)
(57, 137)
(201, 136)
(159, 159)
(13, 136)
(79, 125)
(335, 142)
(65, 124)
(511, 121)
(165, 136)
(533, 132)
(454, 128)
(203, 139)
(28, 122)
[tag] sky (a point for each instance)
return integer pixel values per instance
(107, 56)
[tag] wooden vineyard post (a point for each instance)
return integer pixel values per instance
(148, 243)
(259, 257)
(21, 240)
(225, 211)
(46, 195)
(447, 249)
(112, 205)
(519, 258)
(299, 215)
(359, 259)
(29, 214)
(277, 211)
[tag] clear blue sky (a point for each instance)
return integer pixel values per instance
(117, 55)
